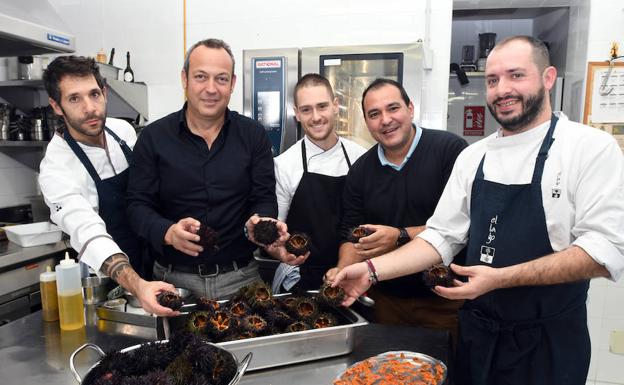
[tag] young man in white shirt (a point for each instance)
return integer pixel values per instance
(539, 205)
(83, 177)
(310, 177)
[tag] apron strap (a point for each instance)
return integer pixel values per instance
(81, 156)
(541, 156)
(122, 143)
(543, 152)
(304, 157)
(84, 159)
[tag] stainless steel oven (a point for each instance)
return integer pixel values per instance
(270, 75)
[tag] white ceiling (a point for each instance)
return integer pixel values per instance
(485, 4)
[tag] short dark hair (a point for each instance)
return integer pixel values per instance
(380, 82)
(62, 66)
(541, 54)
(208, 43)
(311, 80)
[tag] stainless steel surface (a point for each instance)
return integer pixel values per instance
(33, 352)
(72, 358)
(291, 76)
(31, 28)
(290, 348)
(94, 289)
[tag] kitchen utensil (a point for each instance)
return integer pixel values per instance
(94, 289)
(241, 366)
(37, 132)
(34, 234)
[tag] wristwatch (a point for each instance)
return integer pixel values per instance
(404, 237)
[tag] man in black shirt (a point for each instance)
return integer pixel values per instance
(392, 190)
(202, 165)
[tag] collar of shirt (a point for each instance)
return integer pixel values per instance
(386, 162)
(183, 125)
(312, 149)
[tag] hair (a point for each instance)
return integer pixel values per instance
(380, 82)
(208, 43)
(541, 54)
(312, 80)
(62, 66)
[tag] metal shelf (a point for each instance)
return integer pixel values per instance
(125, 99)
(23, 143)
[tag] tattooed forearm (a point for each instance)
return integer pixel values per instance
(115, 265)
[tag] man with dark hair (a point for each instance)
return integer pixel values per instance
(539, 206)
(310, 178)
(83, 177)
(392, 190)
(203, 167)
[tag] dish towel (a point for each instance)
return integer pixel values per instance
(286, 276)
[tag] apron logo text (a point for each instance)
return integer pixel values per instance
(487, 254)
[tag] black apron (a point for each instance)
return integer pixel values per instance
(316, 209)
(112, 203)
(523, 335)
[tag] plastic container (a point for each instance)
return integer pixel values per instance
(33, 234)
(49, 299)
(69, 290)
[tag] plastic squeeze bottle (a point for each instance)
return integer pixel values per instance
(49, 300)
(69, 289)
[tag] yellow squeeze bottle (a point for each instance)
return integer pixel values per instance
(49, 299)
(69, 289)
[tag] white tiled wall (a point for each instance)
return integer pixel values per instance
(606, 304)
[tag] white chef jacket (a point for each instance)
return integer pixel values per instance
(289, 167)
(70, 192)
(582, 190)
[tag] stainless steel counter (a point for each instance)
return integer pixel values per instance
(12, 254)
(36, 352)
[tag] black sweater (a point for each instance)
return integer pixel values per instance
(381, 195)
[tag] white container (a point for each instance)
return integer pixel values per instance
(69, 290)
(33, 234)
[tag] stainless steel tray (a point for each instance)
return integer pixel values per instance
(290, 348)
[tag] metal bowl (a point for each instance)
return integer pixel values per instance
(241, 366)
(134, 301)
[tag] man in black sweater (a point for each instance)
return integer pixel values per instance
(392, 190)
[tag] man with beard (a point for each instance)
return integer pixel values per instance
(84, 175)
(310, 178)
(539, 204)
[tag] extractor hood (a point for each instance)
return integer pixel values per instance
(32, 27)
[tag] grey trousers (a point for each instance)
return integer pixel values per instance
(221, 286)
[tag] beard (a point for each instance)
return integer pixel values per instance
(77, 123)
(531, 107)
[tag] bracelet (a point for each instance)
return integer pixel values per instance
(372, 272)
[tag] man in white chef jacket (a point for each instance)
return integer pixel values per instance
(83, 177)
(539, 206)
(310, 177)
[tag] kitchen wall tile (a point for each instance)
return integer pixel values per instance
(610, 368)
(607, 325)
(596, 300)
(614, 302)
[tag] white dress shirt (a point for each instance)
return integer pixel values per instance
(585, 166)
(289, 167)
(70, 192)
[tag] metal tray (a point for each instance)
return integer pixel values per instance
(290, 348)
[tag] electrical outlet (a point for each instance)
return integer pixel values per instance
(616, 342)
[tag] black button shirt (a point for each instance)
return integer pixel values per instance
(174, 175)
